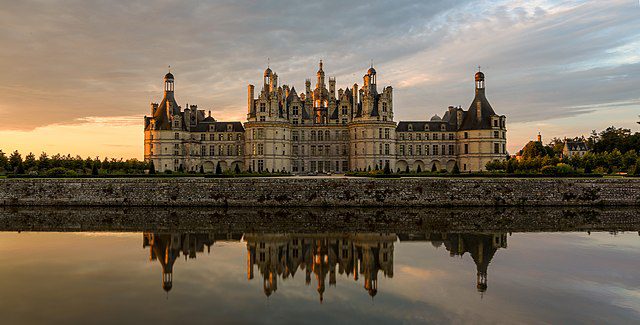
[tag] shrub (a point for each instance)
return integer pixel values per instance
(60, 172)
(549, 170)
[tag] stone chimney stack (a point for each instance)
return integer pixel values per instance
(250, 90)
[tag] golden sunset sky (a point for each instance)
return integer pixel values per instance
(78, 76)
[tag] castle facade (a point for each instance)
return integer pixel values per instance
(321, 130)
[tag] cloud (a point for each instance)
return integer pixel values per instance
(70, 59)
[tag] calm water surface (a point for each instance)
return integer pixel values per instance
(49, 277)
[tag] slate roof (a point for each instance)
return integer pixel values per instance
(161, 116)
(419, 126)
(218, 127)
(470, 121)
(576, 146)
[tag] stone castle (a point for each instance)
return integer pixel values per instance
(319, 130)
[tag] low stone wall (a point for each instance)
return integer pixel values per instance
(331, 192)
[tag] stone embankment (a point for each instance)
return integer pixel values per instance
(320, 192)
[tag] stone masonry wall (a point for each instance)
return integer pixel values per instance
(302, 192)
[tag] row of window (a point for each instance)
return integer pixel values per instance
(427, 136)
(212, 136)
(428, 150)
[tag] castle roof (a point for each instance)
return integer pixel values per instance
(471, 121)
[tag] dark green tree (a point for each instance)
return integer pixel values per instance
(237, 169)
(94, 169)
(387, 169)
(30, 161)
(152, 168)
(218, 169)
(456, 169)
(419, 169)
(15, 160)
(434, 168)
(4, 161)
(406, 170)
(201, 169)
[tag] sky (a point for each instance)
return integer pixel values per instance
(78, 76)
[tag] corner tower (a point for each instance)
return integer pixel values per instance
(482, 134)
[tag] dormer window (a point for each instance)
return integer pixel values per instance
(410, 127)
(426, 127)
(229, 127)
(442, 127)
(295, 110)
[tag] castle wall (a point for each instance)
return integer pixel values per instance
(309, 191)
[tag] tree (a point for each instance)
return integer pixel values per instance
(43, 161)
(533, 149)
(201, 169)
(434, 168)
(406, 170)
(15, 160)
(152, 168)
(456, 169)
(556, 145)
(181, 169)
(237, 169)
(4, 161)
(387, 169)
(218, 169)
(95, 170)
(30, 161)
(419, 169)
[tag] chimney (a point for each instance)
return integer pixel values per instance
(539, 137)
(250, 109)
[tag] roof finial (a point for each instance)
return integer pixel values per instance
(169, 67)
(268, 62)
(320, 64)
(371, 64)
(479, 69)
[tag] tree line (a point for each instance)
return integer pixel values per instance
(60, 165)
(614, 150)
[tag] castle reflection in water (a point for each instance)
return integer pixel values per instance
(321, 256)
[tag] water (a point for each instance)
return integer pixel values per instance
(193, 271)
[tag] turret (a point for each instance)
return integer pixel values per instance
(320, 76)
(168, 83)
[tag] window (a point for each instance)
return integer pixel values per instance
(295, 110)
(401, 136)
(386, 149)
(401, 150)
(410, 150)
(496, 134)
(380, 133)
(220, 136)
(212, 150)
(386, 133)
(435, 150)
(344, 121)
(451, 137)
(381, 150)
(203, 150)
(294, 135)
(327, 135)
(345, 165)
(212, 137)
(230, 150)
(344, 110)
(384, 107)
(260, 165)
(263, 107)
(176, 146)
(320, 136)
(495, 123)
(313, 135)
(418, 136)
(260, 149)
(451, 150)
(419, 150)
(260, 134)
(295, 150)
(177, 136)
(344, 150)
(466, 135)
(262, 118)
(466, 148)
(313, 150)
(295, 121)
(410, 127)
(426, 150)
(496, 148)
